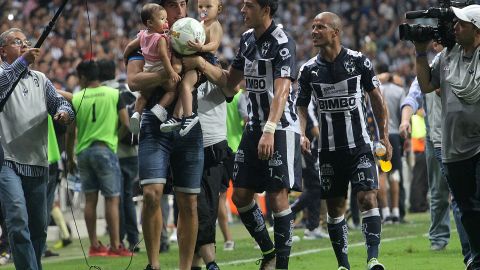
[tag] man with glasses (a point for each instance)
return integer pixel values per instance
(23, 136)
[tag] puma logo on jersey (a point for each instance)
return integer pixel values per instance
(315, 72)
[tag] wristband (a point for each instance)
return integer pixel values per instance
(421, 54)
(269, 127)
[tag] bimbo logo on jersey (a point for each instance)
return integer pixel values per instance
(255, 84)
(337, 104)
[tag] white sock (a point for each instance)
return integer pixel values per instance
(395, 212)
(159, 112)
(136, 115)
(385, 212)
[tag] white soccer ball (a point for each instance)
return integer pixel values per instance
(184, 30)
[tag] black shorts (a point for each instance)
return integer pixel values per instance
(283, 170)
(214, 174)
(207, 204)
(228, 163)
(338, 168)
(310, 175)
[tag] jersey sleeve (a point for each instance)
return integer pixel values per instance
(304, 88)
(239, 61)
(284, 64)
(369, 80)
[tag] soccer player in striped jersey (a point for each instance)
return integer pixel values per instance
(338, 79)
(268, 158)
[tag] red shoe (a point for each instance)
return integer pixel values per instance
(121, 251)
(99, 251)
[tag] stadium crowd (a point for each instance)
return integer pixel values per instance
(101, 29)
(370, 26)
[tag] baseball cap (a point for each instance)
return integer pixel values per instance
(468, 14)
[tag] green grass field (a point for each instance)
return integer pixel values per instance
(404, 247)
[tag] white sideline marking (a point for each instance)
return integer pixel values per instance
(316, 250)
(294, 254)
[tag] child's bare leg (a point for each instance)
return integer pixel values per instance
(140, 103)
(185, 89)
(176, 64)
(178, 111)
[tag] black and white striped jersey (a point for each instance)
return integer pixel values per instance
(338, 89)
(262, 61)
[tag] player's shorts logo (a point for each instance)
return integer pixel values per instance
(240, 156)
(326, 169)
(364, 163)
(275, 161)
(235, 171)
(325, 183)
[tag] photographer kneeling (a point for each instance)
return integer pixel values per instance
(455, 73)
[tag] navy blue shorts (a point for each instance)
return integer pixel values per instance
(339, 168)
(283, 170)
(158, 150)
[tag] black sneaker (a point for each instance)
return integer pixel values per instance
(49, 253)
(267, 262)
(149, 267)
(171, 124)
(188, 123)
(134, 248)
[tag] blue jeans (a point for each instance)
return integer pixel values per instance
(439, 232)
(128, 216)
(99, 170)
(53, 175)
(158, 151)
(24, 205)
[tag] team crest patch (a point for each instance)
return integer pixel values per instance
(364, 163)
(325, 183)
(349, 66)
(275, 161)
(235, 170)
(265, 48)
(25, 92)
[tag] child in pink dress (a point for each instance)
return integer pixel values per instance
(155, 45)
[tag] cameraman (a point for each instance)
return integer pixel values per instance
(455, 73)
